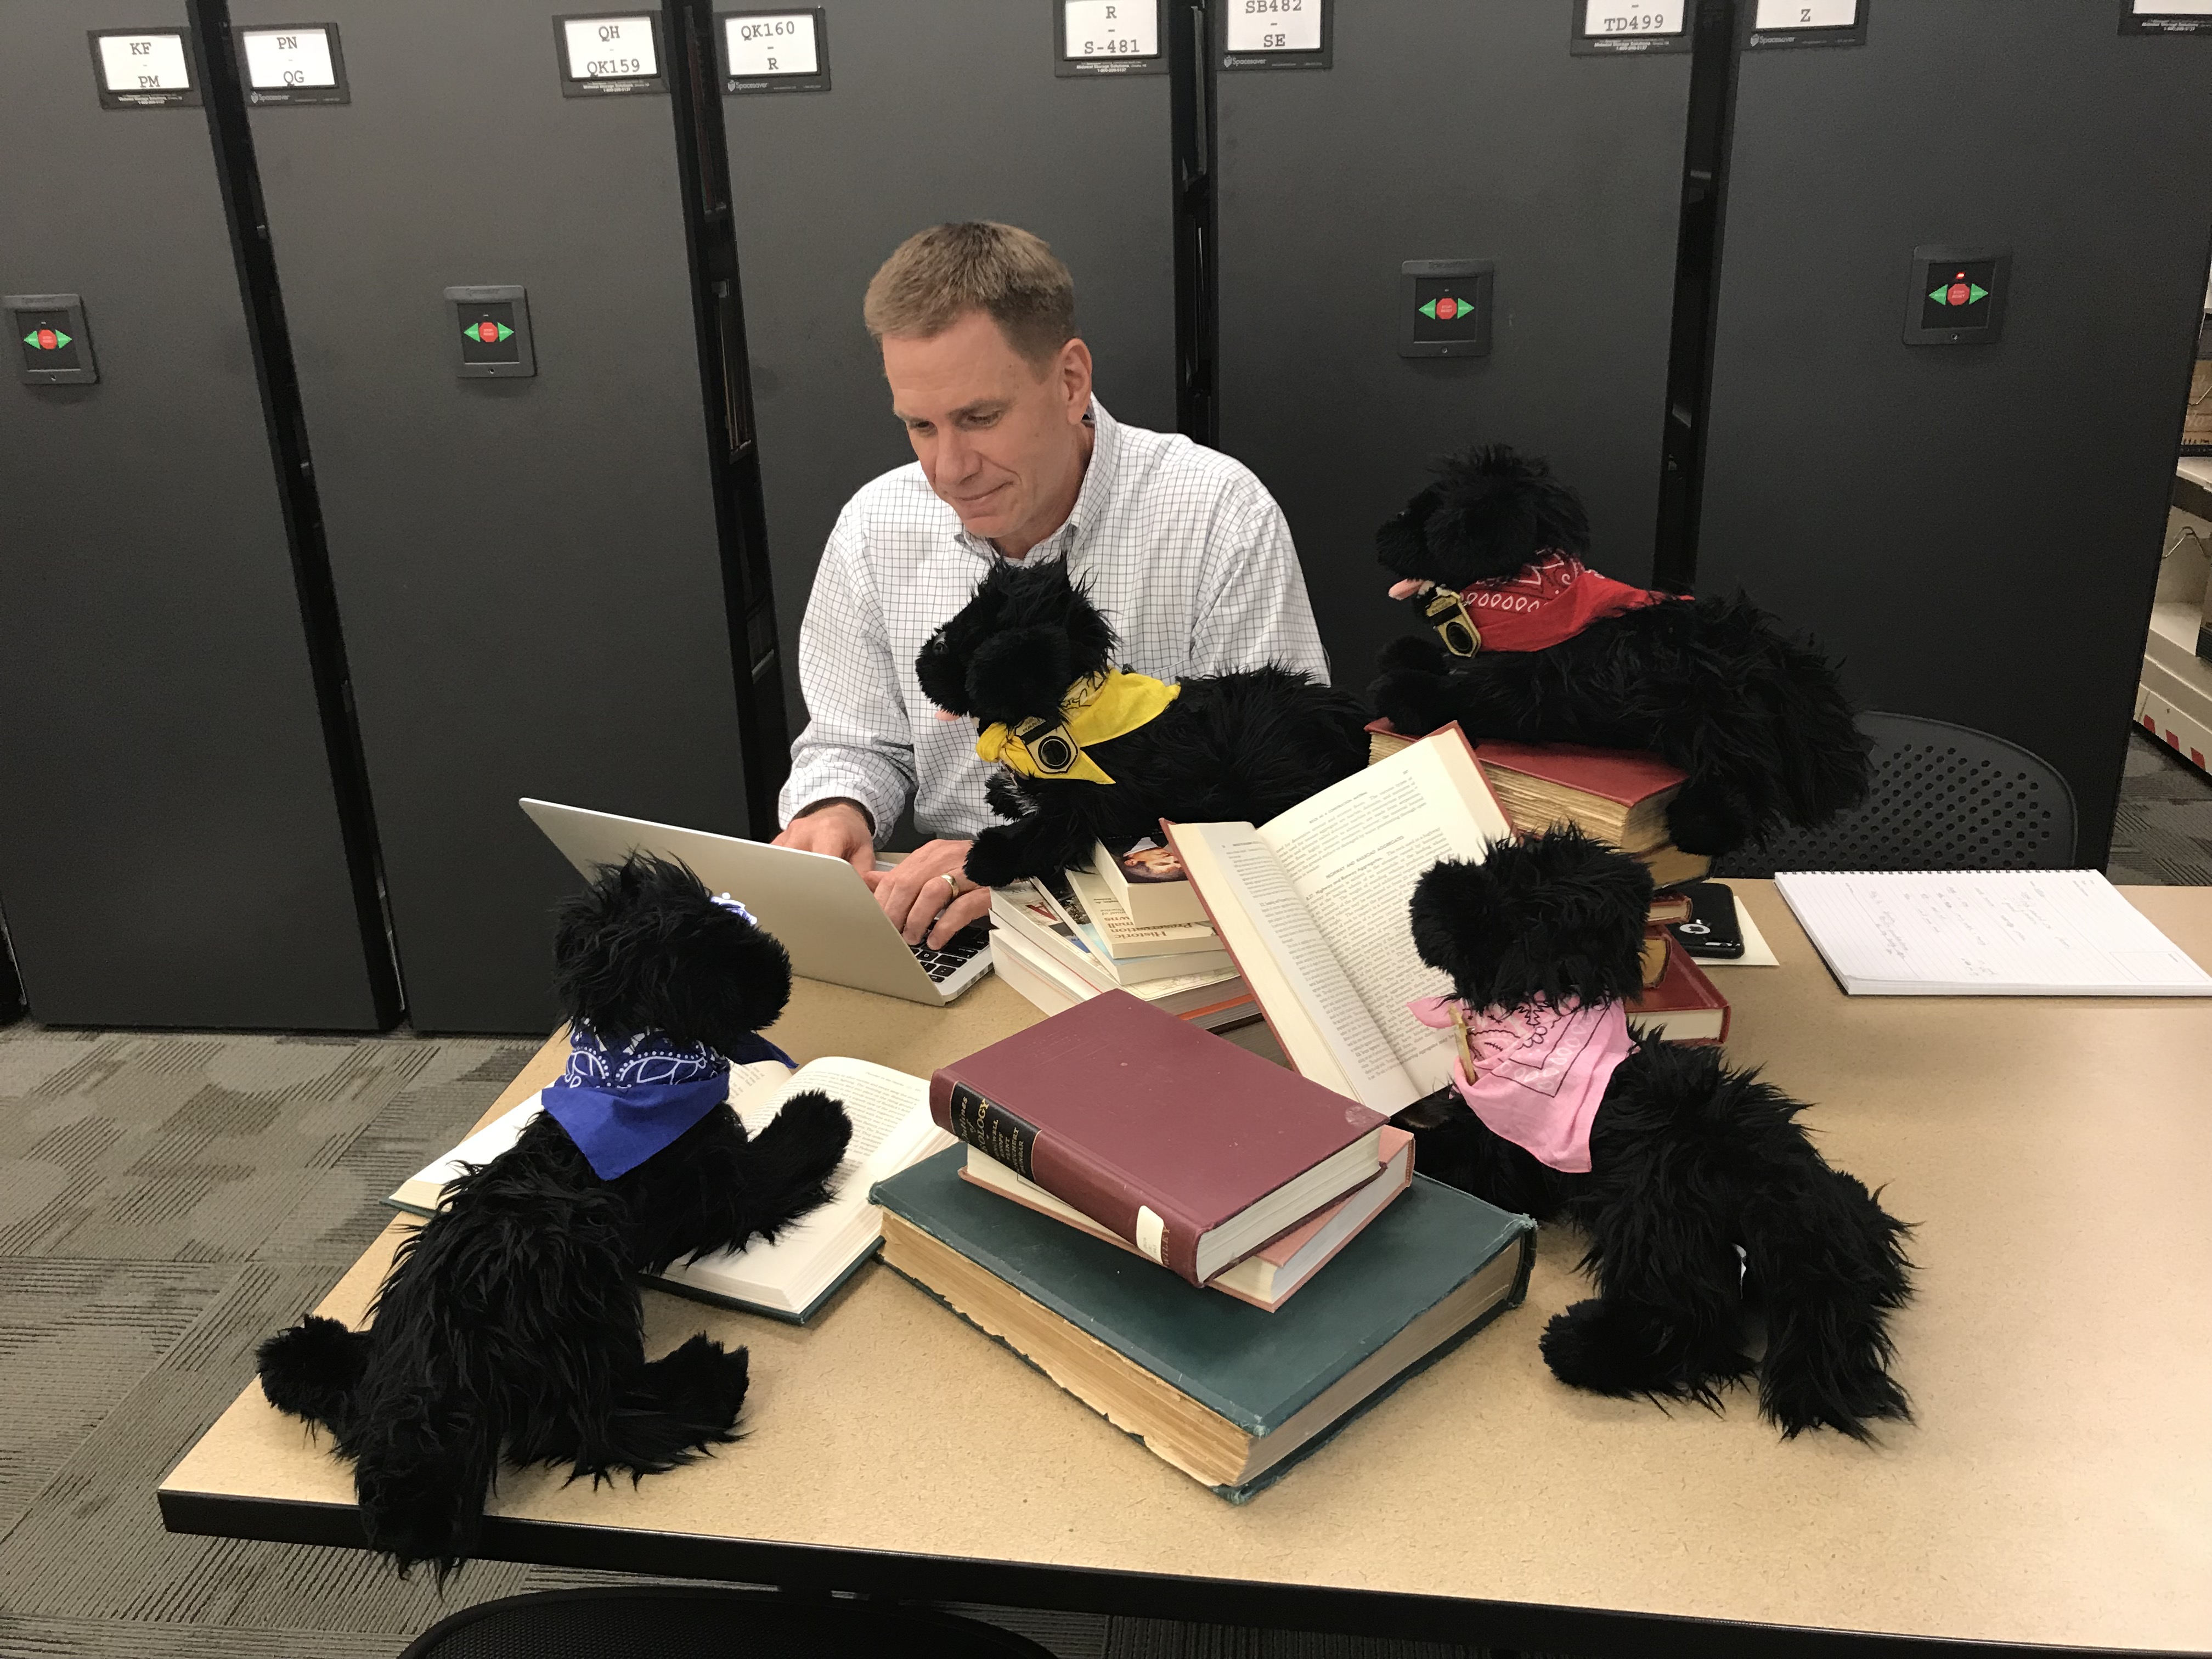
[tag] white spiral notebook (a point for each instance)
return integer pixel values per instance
(1986, 933)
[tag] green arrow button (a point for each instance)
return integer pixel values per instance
(1977, 291)
(1941, 295)
(1430, 309)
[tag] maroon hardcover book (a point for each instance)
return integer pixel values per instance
(1161, 1133)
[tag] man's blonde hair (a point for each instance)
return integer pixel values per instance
(940, 275)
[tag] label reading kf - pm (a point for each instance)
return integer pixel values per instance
(142, 68)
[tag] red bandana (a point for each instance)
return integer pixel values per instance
(1551, 600)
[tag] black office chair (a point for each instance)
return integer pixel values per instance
(1945, 797)
(665, 1621)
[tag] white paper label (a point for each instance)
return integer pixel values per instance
(773, 43)
(1152, 1233)
(1112, 29)
(610, 48)
(1809, 14)
(2173, 8)
(277, 58)
(1604, 17)
(144, 62)
(1275, 25)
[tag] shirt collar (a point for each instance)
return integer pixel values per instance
(1090, 501)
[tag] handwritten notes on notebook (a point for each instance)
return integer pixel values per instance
(1987, 933)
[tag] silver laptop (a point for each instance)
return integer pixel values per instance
(817, 905)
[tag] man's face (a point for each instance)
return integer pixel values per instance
(999, 438)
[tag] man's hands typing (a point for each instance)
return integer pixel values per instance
(914, 893)
(919, 900)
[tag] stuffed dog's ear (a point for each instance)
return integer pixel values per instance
(1491, 513)
(942, 666)
(1557, 914)
(1021, 675)
(645, 948)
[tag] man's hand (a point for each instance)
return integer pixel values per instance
(838, 827)
(914, 893)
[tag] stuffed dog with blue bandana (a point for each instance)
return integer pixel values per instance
(1090, 751)
(509, 1327)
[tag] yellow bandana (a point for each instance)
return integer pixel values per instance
(1108, 706)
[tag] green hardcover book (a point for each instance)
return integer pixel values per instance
(1228, 1394)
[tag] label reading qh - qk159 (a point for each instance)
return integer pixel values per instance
(1002, 1134)
(610, 48)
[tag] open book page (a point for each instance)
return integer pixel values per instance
(891, 1128)
(1325, 1028)
(1352, 854)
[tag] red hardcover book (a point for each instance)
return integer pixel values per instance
(1683, 1007)
(1192, 1149)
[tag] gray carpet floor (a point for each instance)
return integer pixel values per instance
(166, 1200)
(2162, 833)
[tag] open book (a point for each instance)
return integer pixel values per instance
(1314, 907)
(791, 1278)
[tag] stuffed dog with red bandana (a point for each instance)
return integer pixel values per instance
(1532, 645)
(1706, 1208)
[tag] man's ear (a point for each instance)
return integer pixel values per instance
(1074, 367)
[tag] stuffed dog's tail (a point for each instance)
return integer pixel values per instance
(1829, 1264)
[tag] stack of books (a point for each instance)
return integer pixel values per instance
(1129, 923)
(1621, 797)
(1227, 1261)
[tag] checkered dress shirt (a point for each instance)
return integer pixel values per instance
(1184, 550)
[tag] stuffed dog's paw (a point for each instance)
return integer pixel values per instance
(1416, 701)
(311, 1370)
(1707, 821)
(994, 858)
(1424, 652)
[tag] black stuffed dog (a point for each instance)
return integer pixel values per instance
(1703, 1203)
(1092, 752)
(508, 1326)
(1531, 645)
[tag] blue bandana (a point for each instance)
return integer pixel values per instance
(621, 1105)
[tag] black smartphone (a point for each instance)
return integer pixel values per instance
(1711, 930)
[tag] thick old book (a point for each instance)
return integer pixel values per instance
(1682, 1006)
(792, 1278)
(1315, 908)
(1230, 1395)
(1271, 1274)
(1148, 881)
(1192, 1149)
(1614, 794)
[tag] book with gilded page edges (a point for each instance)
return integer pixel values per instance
(1232, 1395)
(1192, 1149)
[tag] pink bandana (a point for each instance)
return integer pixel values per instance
(1540, 1071)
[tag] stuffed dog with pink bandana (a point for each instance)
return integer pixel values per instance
(1706, 1209)
(1525, 641)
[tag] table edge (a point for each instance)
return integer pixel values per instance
(819, 1568)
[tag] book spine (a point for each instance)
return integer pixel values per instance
(969, 1114)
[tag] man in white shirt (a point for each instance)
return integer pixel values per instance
(1182, 548)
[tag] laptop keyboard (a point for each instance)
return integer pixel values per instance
(961, 948)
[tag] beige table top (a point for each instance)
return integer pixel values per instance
(2055, 1156)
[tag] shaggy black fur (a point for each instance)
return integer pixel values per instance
(1230, 746)
(1758, 721)
(508, 1326)
(1690, 1157)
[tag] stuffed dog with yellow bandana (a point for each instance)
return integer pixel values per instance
(1525, 641)
(1090, 751)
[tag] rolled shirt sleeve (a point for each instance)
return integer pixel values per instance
(858, 742)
